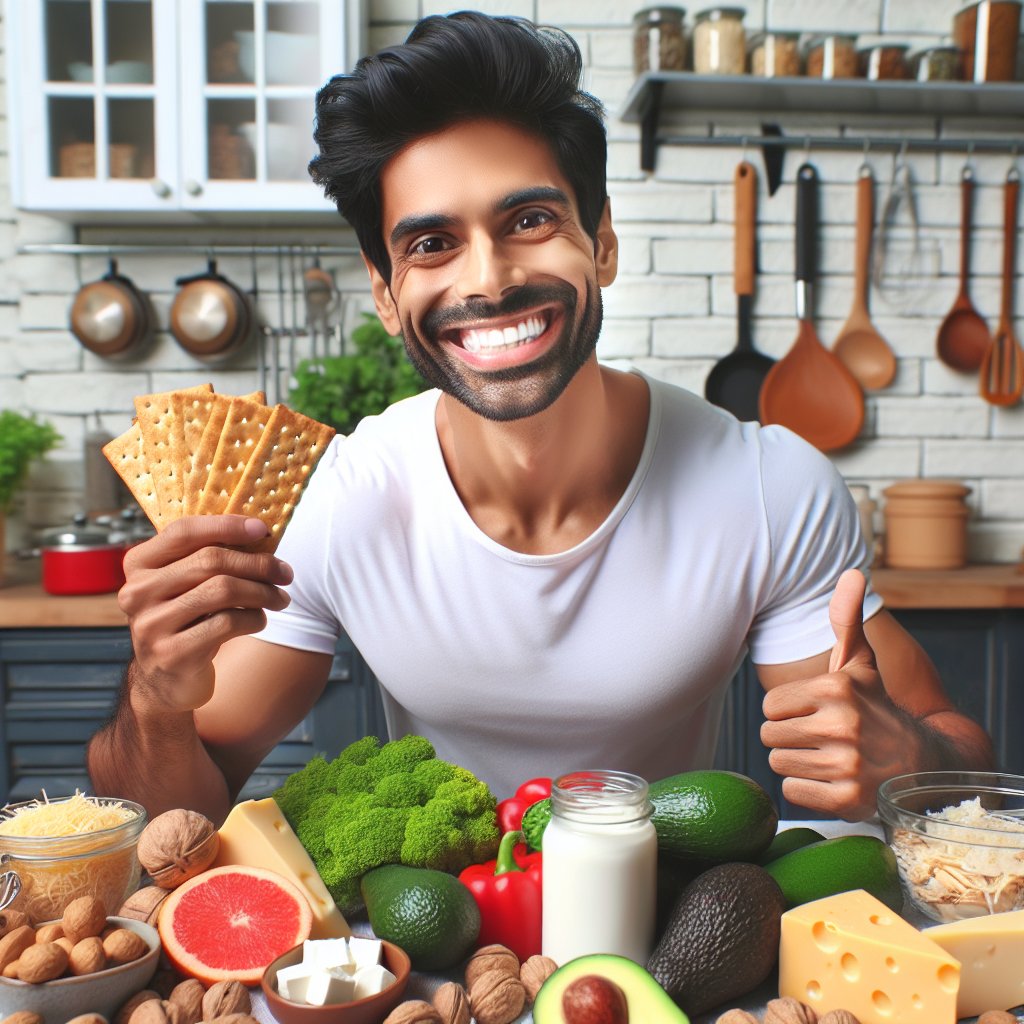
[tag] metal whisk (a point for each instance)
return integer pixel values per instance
(10, 886)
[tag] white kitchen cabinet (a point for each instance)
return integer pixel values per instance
(170, 106)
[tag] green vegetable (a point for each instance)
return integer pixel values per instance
(535, 820)
(391, 804)
(341, 390)
(22, 439)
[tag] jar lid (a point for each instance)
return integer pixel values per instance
(932, 488)
(720, 14)
(871, 47)
(760, 37)
(824, 37)
(650, 15)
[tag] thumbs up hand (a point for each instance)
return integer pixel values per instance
(836, 736)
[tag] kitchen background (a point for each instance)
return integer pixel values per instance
(672, 311)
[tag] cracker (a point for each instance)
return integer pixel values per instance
(272, 481)
(243, 426)
(125, 454)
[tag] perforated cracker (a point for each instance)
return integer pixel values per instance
(273, 479)
(242, 430)
(125, 454)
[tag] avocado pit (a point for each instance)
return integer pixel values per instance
(594, 1000)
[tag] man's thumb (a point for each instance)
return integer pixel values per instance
(846, 613)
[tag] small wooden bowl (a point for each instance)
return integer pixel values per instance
(371, 1010)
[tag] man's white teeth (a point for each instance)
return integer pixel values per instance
(493, 338)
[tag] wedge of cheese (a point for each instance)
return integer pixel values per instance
(851, 952)
(256, 834)
(991, 954)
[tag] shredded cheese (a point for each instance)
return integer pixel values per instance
(77, 815)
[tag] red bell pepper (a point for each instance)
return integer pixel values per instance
(510, 811)
(508, 892)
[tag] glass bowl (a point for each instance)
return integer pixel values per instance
(959, 841)
(54, 870)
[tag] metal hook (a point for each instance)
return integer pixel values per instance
(807, 147)
(865, 167)
(743, 154)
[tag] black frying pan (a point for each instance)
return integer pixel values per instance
(734, 382)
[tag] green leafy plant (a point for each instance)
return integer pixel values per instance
(22, 439)
(341, 390)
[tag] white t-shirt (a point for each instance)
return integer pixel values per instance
(615, 654)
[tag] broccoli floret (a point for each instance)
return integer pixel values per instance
(390, 804)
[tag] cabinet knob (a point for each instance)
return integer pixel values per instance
(193, 188)
(161, 188)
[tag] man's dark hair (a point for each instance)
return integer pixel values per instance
(451, 69)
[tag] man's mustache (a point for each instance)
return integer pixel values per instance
(474, 310)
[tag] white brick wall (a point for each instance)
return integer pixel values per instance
(672, 310)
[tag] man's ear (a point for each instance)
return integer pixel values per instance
(606, 248)
(382, 299)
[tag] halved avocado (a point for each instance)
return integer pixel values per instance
(646, 1001)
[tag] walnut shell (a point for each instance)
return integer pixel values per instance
(225, 997)
(234, 1018)
(997, 1017)
(23, 1017)
(87, 956)
(144, 904)
(50, 932)
(42, 961)
(535, 972)
(491, 958)
(788, 1010)
(157, 1011)
(188, 994)
(736, 1017)
(176, 846)
(126, 1009)
(9, 920)
(88, 1018)
(122, 946)
(83, 917)
(845, 1017)
(452, 1002)
(414, 1011)
(14, 943)
(496, 997)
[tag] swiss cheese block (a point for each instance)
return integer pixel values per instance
(991, 954)
(256, 834)
(851, 952)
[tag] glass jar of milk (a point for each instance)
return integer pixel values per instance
(600, 867)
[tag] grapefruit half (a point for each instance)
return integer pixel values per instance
(229, 923)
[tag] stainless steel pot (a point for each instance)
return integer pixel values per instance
(111, 317)
(210, 317)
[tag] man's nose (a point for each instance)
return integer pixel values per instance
(488, 270)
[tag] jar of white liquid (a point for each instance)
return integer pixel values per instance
(600, 867)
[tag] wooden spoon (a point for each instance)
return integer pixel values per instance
(1002, 369)
(862, 350)
(963, 336)
(809, 390)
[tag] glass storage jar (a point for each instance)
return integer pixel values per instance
(883, 62)
(831, 56)
(600, 868)
(719, 41)
(659, 39)
(987, 34)
(935, 64)
(775, 55)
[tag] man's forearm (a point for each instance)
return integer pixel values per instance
(155, 758)
(950, 741)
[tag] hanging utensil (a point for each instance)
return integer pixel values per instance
(10, 888)
(1002, 369)
(320, 294)
(963, 336)
(859, 346)
(734, 382)
(210, 316)
(809, 390)
(898, 273)
(111, 317)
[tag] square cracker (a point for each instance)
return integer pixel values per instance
(272, 482)
(243, 427)
(125, 454)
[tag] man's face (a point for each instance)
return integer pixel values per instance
(495, 286)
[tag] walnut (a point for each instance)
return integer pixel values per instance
(9, 920)
(736, 1017)
(177, 845)
(122, 946)
(50, 932)
(788, 1010)
(496, 997)
(11, 970)
(845, 1017)
(413, 1011)
(157, 1011)
(124, 1013)
(65, 943)
(535, 972)
(226, 997)
(491, 958)
(188, 995)
(144, 904)
(452, 1002)
(88, 1018)
(83, 917)
(23, 1017)
(14, 943)
(42, 961)
(997, 1017)
(87, 956)
(234, 1018)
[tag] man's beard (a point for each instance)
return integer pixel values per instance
(513, 392)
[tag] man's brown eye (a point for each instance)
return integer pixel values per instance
(429, 246)
(532, 220)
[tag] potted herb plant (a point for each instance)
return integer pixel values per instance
(22, 439)
(341, 390)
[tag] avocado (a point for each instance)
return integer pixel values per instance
(673, 877)
(429, 913)
(599, 978)
(787, 840)
(838, 865)
(712, 817)
(722, 940)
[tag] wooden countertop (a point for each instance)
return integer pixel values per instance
(24, 603)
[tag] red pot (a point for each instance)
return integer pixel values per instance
(82, 559)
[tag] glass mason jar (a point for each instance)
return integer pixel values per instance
(775, 55)
(719, 42)
(600, 867)
(659, 39)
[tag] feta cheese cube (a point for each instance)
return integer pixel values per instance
(365, 952)
(327, 953)
(371, 980)
(334, 985)
(292, 982)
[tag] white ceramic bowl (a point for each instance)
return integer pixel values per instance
(292, 58)
(289, 149)
(104, 992)
(129, 71)
(80, 71)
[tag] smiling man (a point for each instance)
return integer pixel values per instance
(548, 564)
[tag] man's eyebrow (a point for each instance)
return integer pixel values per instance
(537, 194)
(419, 222)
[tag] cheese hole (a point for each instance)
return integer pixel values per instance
(851, 967)
(881, 1002)
(949, 977)
(825, 936)
(916, 1001)
(880, 919)
(813, 990)
(892, 965)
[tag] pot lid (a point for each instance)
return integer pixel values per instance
(931, 488)
(80, 533)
